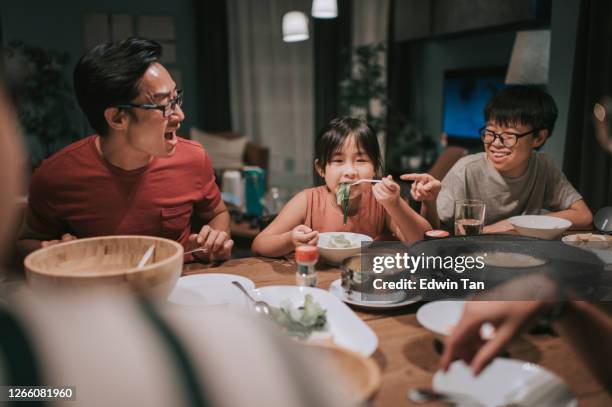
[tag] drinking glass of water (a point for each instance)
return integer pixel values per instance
(469, 217)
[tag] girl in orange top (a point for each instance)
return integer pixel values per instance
(347, 150)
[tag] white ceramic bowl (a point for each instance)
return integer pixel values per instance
(335, 256)
(541, 226)
(441, 317)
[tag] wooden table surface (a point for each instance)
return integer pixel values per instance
(406, 353)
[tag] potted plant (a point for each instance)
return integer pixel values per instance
(363, 91)
(44, 98)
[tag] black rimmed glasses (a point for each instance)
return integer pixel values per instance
(166, 109)
(507, 139)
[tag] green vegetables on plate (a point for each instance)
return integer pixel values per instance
(302, 321)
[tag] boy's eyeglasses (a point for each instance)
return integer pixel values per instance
(507, 139)
(166, 109)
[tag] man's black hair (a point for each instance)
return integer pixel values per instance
(109, 74)
(529, 105)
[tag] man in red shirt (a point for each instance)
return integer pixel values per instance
(135, 176)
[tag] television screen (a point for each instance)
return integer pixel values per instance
(466, 93)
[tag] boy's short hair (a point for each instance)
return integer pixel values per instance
(529, 105)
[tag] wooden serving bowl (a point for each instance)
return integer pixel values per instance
(107, 262)
(360, 376)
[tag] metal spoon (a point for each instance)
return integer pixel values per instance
(421, 395)
(260, 307)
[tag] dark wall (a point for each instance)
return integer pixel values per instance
(429, 58)
(564, 26)
(419, 19)
(212, 58)
(1, 42)
(58, 25)
(331, 49)
(452, 16)
(434, 57)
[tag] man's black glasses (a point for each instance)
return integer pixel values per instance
(166, 109)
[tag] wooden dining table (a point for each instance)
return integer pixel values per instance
(407, 353)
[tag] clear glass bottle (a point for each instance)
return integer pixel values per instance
(273, 202)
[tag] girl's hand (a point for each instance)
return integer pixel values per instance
(303, 235)
(424, 188)
(387, 192)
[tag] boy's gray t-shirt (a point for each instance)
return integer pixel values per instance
(543, 186)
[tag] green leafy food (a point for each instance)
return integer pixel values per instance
(339, 242)
(300, 322)
(343, 191)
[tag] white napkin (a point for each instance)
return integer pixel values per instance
(542, 389)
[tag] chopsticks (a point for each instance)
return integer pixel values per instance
(199, 249)
(146, 256)
(361, 181)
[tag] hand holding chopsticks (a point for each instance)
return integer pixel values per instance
(214, 243)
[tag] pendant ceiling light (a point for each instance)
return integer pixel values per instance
(295, 26)
(324, 9)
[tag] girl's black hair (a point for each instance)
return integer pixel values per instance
(332, 137)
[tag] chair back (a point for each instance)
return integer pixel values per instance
(446, 160)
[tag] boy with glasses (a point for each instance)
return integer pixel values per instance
(511, 177)
(135, 176)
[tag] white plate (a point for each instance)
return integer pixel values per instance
(210, 290)
(599, 247)
(506, 381)
(442, 316)
(347, 329)
(337, 290)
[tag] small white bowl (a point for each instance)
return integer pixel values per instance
(441, 317)
(335, 256)
(541, 226)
